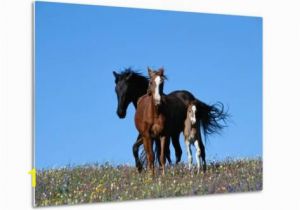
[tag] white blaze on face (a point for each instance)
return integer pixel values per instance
(193, 115)
(157, 81)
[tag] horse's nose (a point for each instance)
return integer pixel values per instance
(121, 113)
(157, 99)
(157, 102)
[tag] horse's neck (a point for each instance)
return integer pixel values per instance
(135, 100)
(189, 127)
(139, 92)
(155, 111)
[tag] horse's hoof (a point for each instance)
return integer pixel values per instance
(163, 173)
(139, 168)
(204, 168)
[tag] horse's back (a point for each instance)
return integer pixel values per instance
(175, 111)
(183, 95)
(186, 97)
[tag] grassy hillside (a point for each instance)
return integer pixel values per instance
(101, 183)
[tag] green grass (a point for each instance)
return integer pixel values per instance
(102, 183)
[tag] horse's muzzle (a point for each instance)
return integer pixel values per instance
(157, 102)
(121, 114)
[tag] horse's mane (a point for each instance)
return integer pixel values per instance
(135, 76)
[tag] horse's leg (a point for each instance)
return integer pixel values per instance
(176, 145)
(162, 154)
(198, 152)
(135, 150)
(167, 150)
(157, 150)
(189, 152)
(149, 152)
(202, 149)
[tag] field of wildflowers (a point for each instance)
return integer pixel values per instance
(101, 183)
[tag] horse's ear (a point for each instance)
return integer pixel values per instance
(161, 71)
(150, 72)
(116, 75)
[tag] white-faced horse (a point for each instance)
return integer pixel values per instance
(192, 134)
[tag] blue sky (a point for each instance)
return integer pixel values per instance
(216, 57)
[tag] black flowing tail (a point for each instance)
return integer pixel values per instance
(213, 118)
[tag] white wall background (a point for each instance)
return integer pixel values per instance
(281, 104)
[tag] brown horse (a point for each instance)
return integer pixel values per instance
(192, 133)
(150, 118)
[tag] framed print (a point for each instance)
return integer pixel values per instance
(134, 104)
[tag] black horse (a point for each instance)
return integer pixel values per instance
(131, 85)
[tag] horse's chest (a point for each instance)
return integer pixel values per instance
(191, 134)
(157, 126)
